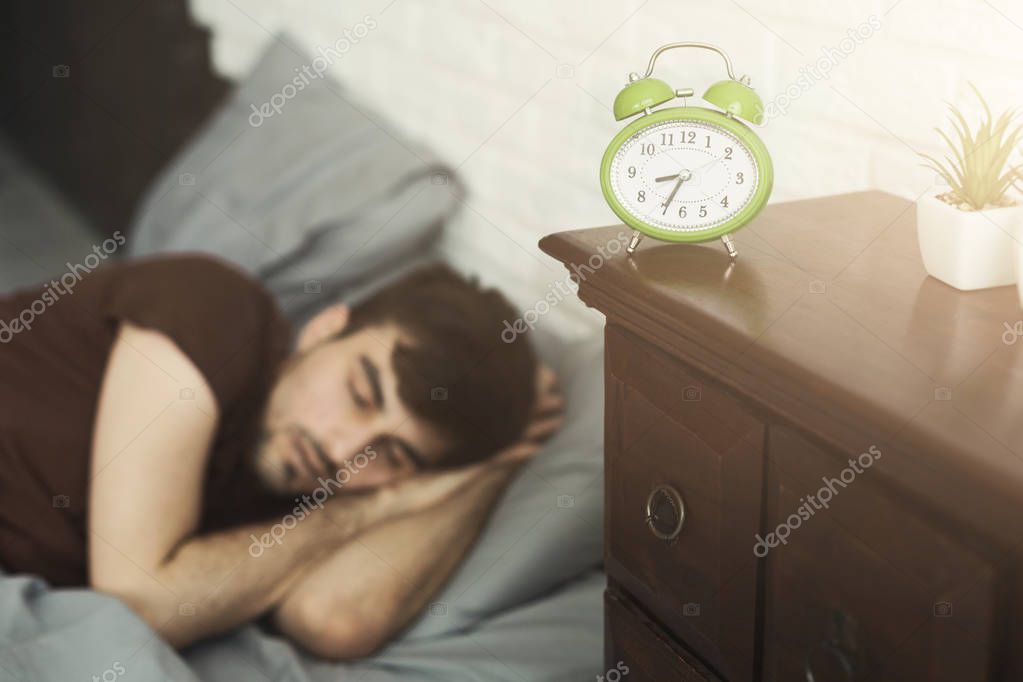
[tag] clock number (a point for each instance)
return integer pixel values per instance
(667, 139)
(703, 211)
(632, 171)
(728, 153)
(682, 212)
(688, 136)
(646, 149)
(641, 197)
(724, 202)
(739, 179)
(707, 146)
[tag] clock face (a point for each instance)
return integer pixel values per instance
(684, 176)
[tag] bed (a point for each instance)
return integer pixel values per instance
(526, 603)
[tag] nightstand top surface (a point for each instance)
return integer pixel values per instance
(828, 304)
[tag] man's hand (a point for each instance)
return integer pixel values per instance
(422, 491)
(548, 416)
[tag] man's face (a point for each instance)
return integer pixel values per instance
(335, 413)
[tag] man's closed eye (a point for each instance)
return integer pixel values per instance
(364, 385)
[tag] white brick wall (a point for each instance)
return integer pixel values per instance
(461, 73)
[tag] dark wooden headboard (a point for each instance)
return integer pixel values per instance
(99, 95)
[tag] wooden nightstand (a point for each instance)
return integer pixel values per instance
(822, 359)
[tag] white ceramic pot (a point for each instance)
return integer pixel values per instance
(968, 249)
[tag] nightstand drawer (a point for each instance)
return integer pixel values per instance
(866, 586)
(683, 451)
(638, 652)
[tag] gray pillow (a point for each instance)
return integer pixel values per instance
(302, 187)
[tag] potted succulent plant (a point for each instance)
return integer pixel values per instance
(969, 232)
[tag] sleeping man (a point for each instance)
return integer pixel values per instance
(161, 441)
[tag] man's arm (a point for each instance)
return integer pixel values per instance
(149, 455)
(361, 596)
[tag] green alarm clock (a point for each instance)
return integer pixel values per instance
(687, 173)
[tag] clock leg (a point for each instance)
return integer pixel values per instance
(730, 246)
(636, 238)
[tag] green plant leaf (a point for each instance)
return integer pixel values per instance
(977, 167)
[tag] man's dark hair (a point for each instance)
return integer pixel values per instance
(456, 373)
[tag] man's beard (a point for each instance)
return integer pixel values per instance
(272, 476)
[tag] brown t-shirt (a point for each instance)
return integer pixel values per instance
(50, 375)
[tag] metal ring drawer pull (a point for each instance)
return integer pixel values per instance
(665, 512)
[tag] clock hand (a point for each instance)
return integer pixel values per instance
(682, 177)
(666, 177)
(671, 196)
